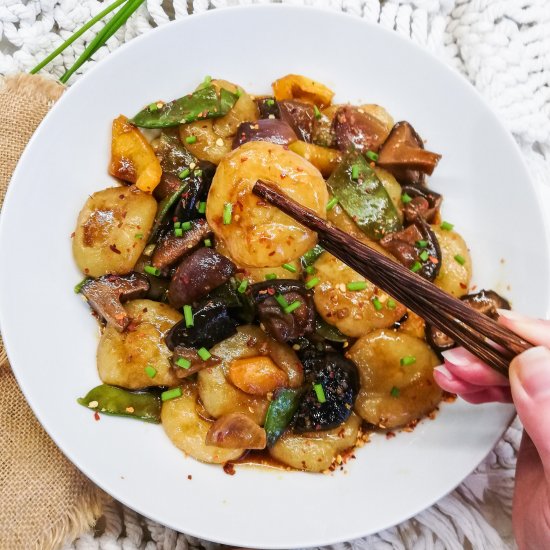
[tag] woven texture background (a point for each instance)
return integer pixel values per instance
(503, 48)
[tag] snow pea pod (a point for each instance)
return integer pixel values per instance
(361, 194)
(119, 402)
(280, 412)
(201, 104)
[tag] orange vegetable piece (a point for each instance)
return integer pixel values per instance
(323, 158)
(257, 375)
(132, 157)
(301, 88)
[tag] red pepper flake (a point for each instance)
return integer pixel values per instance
(114, 248)
(96, 416)
(189, 476)
(86, 270)
(229, 468)
(271, 291)
(433, 259)
(72, 235)
(283, 175)
(258, 203)
(271, 253)
(244, 159)
(462, 285)
(390, 435)
(121, 197)
(132, 326)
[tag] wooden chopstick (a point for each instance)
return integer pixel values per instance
(485, 338)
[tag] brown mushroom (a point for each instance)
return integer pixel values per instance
(186, 361)
(267, 129)
(236, 431)
(170, 248)
(353, 127)
(299, 116)
(424, 203)
(106, 294)
(403, 155)
(198, 274)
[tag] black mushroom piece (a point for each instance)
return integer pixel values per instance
(403, 155)
(333, 384)
(424, 203)
(199, 182)
(272, 130)
(416, 247)
(354, 128)
(197, 275)
(211, 324)
(484, 301)
(268, 107)
(170, 249)
(270, 297)
(299, 116)
(106, 294)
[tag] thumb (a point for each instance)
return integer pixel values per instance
(530, 385)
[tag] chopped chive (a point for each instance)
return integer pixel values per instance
(422, 244)
(153, 107)
(188, 315)
(395, 391)
(152, 270)
(178, 232)
(191, 139)
(202, 207)
(332, 203)
(186, 226)
(289, 267)
(270, 276)
(227, 213)
(417, 266)
(184, 173)
(319, 392)
(424, 255)
(170, 394)
(391, 304)
(239, 92)
(317, 112)
(460, 259)
(208, 243)
(177, 225)
(243, 286)
(293, 306)
(150, 371)
(207, 80)
(183, 363)
(204, 354)
(377, 304)
(371, 155)
(355, 172)
(310, 270)
(270, 102)
(138, 236)
(312, 282)
(78, 287)
(198, 173)
(405, 198)
(357, 285)
(408, 360)
(281, 300)
(446, 226)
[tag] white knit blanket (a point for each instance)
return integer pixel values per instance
(503, 47)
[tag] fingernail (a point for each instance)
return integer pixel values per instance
(444, 371)
(512, 315)
(532, 369)
(456, 356)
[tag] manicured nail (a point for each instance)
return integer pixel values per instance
(532, 369)
(512, 315)
(457, 356)
(444, 371)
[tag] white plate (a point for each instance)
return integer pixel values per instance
(51, 338)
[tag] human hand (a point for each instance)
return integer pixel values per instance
(529, 389)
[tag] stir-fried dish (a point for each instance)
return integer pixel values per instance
(221, 317)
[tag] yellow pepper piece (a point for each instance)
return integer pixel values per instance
(323, 158)
(132, 157)
(301, 88)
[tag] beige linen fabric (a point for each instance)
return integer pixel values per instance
(44, 499)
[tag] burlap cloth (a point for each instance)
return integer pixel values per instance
(44, 499)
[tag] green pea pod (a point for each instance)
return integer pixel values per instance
(280, 412)
(201, 104)
(311, 256)
(361, 194)
(329, 332)
(118, 402)
(163, 208)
